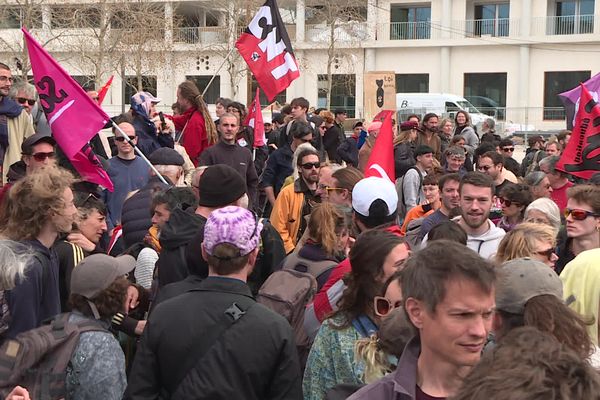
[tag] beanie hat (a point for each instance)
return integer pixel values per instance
(220, 185)
(232, 225)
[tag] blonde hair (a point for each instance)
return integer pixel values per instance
(376, 362)
(521, 241)
(325, 223)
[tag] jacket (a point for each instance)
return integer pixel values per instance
(287, 213)
(348, 151)
(331, 142)
(19, 128)
(254, 359)
(175, 236)
(127, 176)
(434, 142)
(404, 158)
(69, 255)
(136, 217)
(471, 138)
(400, 384)
(194, 138)
(36, 297)
(279, 167)
(148, 139)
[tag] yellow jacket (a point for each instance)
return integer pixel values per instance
(287, 213)
(18, 129)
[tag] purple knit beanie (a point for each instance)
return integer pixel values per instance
(233, 225)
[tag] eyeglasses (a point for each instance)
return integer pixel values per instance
(23, 100)
(329, 188)
(546, 253)
(507, 202)
(383, 306)
(537, 221)
(579, 215)
(508, 149)
(122, 139)
(309, 165)
(42, 156)
(484, 167)
(7, 78)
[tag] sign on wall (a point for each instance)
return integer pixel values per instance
(379, 93)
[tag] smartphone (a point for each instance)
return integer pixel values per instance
(163, 124)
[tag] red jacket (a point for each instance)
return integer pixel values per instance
(194, 138)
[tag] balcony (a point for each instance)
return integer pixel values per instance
(563, 25)
(487, 27)
(203, 34)
(342, 32)
(411, 30)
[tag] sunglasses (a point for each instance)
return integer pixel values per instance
(42, 156)
(508, 149)
(23, 100)
(383, 306)
(546, 253)
(507, 202)
(329, 188)
(309, 165)
(122, 139)
(579, 215)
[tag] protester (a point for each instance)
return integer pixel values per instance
(528, 293)
(374, 257)
(337, 188)
(333, 135)
(228, 152)
(455, 161)
(488, 131)
(143, 110)
(464, 128)
(207, 354)
(404, 148)
(557, 179)
(39, 207)
(412, 183)
(539, 185)
(430, 204)
(491, 164)
(364, 152)
(445, 132)
(428, 135)
(16, 125)
(14, 258)
(98, 291)
(543, 211)
(348, 149)
(531, 365)
(581, 280)
(583, 223)
(448, 186)
(514, 200)
(448, 230)
(553, 148)
(533, 240)
(296, 201)
(507, 148)
(533, 155)
(450, 304)
(196, 129)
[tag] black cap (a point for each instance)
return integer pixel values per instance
(423, 149)
(166, 156)
(28, 143)
(220, 185)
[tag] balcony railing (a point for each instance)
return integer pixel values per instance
(563, 25)
(203, 34)
(491, 27)
(342, 32)
(411, 30)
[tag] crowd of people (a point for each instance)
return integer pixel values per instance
(281, 272)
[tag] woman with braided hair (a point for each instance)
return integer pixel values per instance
(196, 128)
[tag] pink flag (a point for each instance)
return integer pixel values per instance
(90, 168)
(255, 120)
(73, 117)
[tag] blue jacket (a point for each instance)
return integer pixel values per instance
(279, 166)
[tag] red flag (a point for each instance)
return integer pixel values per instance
(73, 117)
(581, 157)
(381, 161)
(102, 92)
(381, 115)
(266, 48)
(255, 120)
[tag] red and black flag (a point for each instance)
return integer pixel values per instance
(581, 157)
(266, 48)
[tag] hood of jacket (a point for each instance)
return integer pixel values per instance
(180, 229)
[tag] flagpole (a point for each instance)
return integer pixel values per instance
(218, 70)
(139, 152)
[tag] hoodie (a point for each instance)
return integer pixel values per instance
(486, 244)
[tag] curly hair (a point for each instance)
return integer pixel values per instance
(521, 241)
(108, 302)
(32, 201)
(364, 282)
(189, 91)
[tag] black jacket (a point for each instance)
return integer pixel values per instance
(331, 142)
(404, 158)
(279, 167)
(175, 237)
(348, 151)
(136, 216)
(255, 358)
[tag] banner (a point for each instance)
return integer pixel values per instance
(379, 93)
(255, 120)
(266, 48)
(381, 161)
(102, 92)
(74, 118)
(581, 157)
(570, 99)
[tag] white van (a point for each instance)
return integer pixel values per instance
(443, 104)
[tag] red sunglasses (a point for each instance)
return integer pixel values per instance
(579, 215)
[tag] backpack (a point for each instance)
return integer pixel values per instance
(288, 292)
(413, 232)
(535, 160)
(400, 191)
(38, 359)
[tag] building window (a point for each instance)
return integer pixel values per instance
(214, 90)
(131, 86)
(487, 92)
(412, 83)
(558, 82)
(16, 17)
(490, 19)
(85, 81)
(572, 17)
(280, 98)
(343, 92)
(410, 22)
(65, 17)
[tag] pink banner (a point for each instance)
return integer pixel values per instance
(74, 118)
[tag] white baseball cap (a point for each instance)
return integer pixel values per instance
(367, 190)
